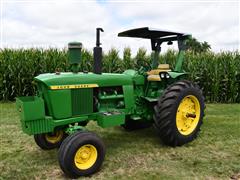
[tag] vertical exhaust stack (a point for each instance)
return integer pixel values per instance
(74, 55)
(97, 51)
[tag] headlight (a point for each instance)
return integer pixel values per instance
(164, 75)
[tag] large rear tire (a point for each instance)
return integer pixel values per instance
(81, 154)
(179, 113)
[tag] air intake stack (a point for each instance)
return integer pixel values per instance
(97, 51)
(74, 55)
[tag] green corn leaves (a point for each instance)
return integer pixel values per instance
(218, 74)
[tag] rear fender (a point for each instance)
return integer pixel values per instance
(177, 75)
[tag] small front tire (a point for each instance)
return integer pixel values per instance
(47, 141)
(81, 154)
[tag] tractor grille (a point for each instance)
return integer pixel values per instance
(82, 101)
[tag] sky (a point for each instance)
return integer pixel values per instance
(54, 23)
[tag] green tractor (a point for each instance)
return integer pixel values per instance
(66, 101)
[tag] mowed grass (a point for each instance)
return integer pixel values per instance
(215, 154)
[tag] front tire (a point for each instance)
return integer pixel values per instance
(81, 154)
(179, 113)
(47, 141)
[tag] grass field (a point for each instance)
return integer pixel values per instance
(215, 154)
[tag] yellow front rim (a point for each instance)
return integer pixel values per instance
(55, 138)
(188, 115)
(85, 157)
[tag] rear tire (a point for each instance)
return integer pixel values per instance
(179, 113)
(47, 141)
(81, 154)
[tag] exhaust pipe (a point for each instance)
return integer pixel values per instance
(97, 54)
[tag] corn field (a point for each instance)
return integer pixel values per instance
(218, 74)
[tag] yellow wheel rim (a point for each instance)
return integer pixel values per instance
(85, 157)
(188, 115)
(55, 138)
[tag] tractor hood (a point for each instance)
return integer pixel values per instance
(69, 78)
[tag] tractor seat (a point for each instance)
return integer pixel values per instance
(153, 75)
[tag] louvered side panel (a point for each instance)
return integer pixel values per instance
(82, 101)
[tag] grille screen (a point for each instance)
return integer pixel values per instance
(82, 101)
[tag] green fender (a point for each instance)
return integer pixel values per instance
(176, 75)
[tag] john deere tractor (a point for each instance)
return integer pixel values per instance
(66, 101)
